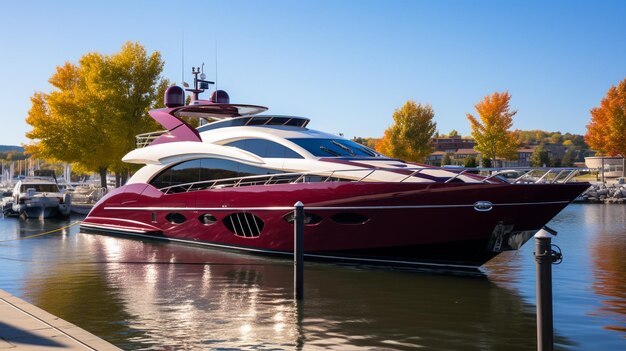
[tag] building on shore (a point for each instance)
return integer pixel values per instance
(450, 144)
(523, 158)
(459, 149)
(610, 167)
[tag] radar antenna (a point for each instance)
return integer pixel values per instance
(199, 84)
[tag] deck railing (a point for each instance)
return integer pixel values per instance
(526, 175)
(143, 140)
(512, 175)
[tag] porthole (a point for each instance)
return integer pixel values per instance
(207, 219)
(309, 218)
(350, 218)
(175, 218)
(244, 224)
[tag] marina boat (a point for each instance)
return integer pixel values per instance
(37, 198)
(232, 183)
(84, 196)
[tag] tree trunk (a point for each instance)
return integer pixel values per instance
(118, 179)
(125, 176)
(103, 176)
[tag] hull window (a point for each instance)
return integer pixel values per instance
(350, 218)
(309, 218)
(244, 225)
(207, 219)
(175, 218)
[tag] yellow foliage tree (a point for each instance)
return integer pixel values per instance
(97, 107)
(491, 128)
(410, 135)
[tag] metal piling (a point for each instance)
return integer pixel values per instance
(298, 250)
(544, 259)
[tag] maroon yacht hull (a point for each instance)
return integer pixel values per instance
(456, 225)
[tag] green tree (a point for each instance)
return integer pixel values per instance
(96, 109)
(487, 162)
(491, 128)
(540, 157)
(409, 137)
(453, 133)
(445, 160)
(569, 157)
(470, 162)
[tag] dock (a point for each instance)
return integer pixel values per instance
(26, 327)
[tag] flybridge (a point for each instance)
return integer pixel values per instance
(217, 111)
(143, 140)
(263, 120)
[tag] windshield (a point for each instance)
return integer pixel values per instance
(40, 188)
(335, 148)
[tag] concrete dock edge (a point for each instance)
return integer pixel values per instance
(26, 327)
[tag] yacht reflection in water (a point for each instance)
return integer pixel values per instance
(144, 295)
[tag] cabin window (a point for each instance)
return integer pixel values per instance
(40, 188)
(265, 148)
(334, 148)
(205, 169)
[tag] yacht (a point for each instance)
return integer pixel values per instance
(232, 183)
(35, 197)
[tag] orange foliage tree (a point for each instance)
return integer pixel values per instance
(491, 128)
(606, 132)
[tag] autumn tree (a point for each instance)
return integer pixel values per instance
(606, 132)
(369, 142)
(491, 128)
(409, 136)
(95, 109)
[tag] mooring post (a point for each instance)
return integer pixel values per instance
(544, 260)
(298, 250)
(602, 169)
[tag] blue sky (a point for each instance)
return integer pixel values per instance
(345, 64)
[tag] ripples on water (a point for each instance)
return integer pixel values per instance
(158, 296)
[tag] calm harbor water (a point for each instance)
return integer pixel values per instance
(157, 296)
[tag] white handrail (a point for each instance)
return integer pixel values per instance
(143, 140)
(331, 175)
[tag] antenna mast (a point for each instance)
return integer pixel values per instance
(199, 84)
(182, 71)
(216, 64)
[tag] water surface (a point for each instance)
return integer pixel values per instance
(142, 295)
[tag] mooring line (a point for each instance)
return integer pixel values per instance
(41, 234)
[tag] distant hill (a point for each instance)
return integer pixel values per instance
(7, 148)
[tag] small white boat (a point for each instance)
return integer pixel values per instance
(39, 198)
(84, 196)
